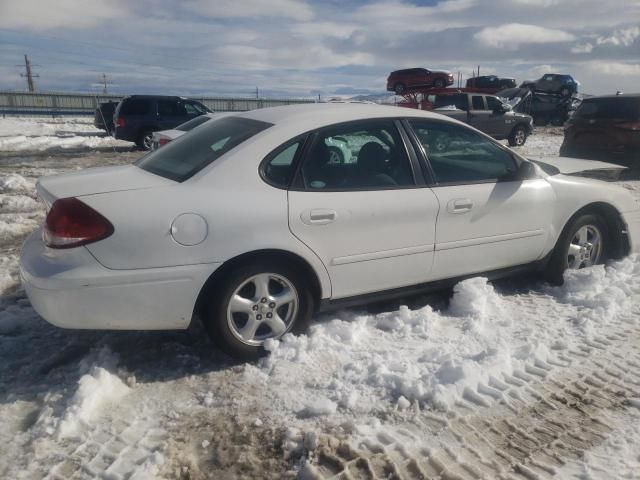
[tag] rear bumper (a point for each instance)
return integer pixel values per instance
(70, 289)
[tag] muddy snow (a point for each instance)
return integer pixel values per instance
(512, 379)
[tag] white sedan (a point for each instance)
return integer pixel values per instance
(251, 224)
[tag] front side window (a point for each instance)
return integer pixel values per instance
(460, 155)
(493, 103)
(190, 153)
(357, 156)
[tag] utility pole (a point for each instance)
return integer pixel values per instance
(105, 83)
(257, 93)
(29, 74)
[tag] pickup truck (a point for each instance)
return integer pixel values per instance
(487, 113)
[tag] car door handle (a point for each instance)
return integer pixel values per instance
(318, 216)
(459, 205)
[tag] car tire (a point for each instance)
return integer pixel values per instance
(399, 88)
(438, 83)
(240, 328)
(518, 136)
(144, 140)
(572, 252)
(565, 92)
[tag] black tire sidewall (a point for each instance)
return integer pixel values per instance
(438, 83)
(215, 317)
(399, 88)
(558, 261)
(140, 141)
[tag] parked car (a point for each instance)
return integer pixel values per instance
(136, 117)
(562, 84)
(491, 82)
(486, 113)
(103, 118)
(246, 223)
(607, 128)
(545, 108)
(165, 136)
(401, 81)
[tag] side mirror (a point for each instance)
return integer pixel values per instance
(525, 171)
(504, 108)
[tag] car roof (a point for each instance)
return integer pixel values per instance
(315, 115)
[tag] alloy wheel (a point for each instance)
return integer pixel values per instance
(263, 306)
(585, 248)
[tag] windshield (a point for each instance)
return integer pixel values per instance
(184, 157)
(193, 123)
(621, 108)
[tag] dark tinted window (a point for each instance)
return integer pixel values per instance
(620, 108)
(193, 123)
(135, 106)
(458, 101)
(460, 155)
(194, 108)
(357, 155)
(189, 154)
(493, 103)
(170, 108)
(477, 102)
(278, 167)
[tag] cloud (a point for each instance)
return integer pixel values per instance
(323, 29)
(37, 15)
(512, 35)
(582, 48)
(623, 37)
(295, 9)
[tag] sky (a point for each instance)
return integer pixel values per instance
(306, 48)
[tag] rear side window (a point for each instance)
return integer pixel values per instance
(458, 101)
(135, 106)
(278, 167)
(170, 108)
(477, 102)
(627, 109)
(459, 155)
(187, 155)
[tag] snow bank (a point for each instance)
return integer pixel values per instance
(436, 359)
(16, 183)
(96, 390)
(38, 126)
(22, 143)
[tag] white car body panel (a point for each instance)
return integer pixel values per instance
(489, 226)
(569, 165)
(141, 278)
(358, 235)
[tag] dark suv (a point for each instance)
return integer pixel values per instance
(605, 128)
(491, 83)
(402, 81)
(138, 116)
(565, 85)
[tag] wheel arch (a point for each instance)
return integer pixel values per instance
(246, 258)
(615, 223)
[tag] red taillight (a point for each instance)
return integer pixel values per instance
(120, 122)
(71, 223)
(163, 141)
(635, 126)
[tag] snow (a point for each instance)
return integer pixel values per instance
(442, 384)
(24, 134)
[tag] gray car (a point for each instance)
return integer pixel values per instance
(487, 113)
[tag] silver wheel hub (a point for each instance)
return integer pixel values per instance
(520, 137)
(263, 306)
(585, 248)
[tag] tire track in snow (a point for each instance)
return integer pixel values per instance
(532, 424)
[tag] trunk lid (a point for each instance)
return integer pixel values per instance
(97, 180)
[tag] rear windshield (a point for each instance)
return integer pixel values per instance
(621, 108)
(193, 123)
(187, 155)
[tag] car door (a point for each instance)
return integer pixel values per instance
(486, 221)
(371, 219)
(170, 113)
(478, 113)
(499, 122)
